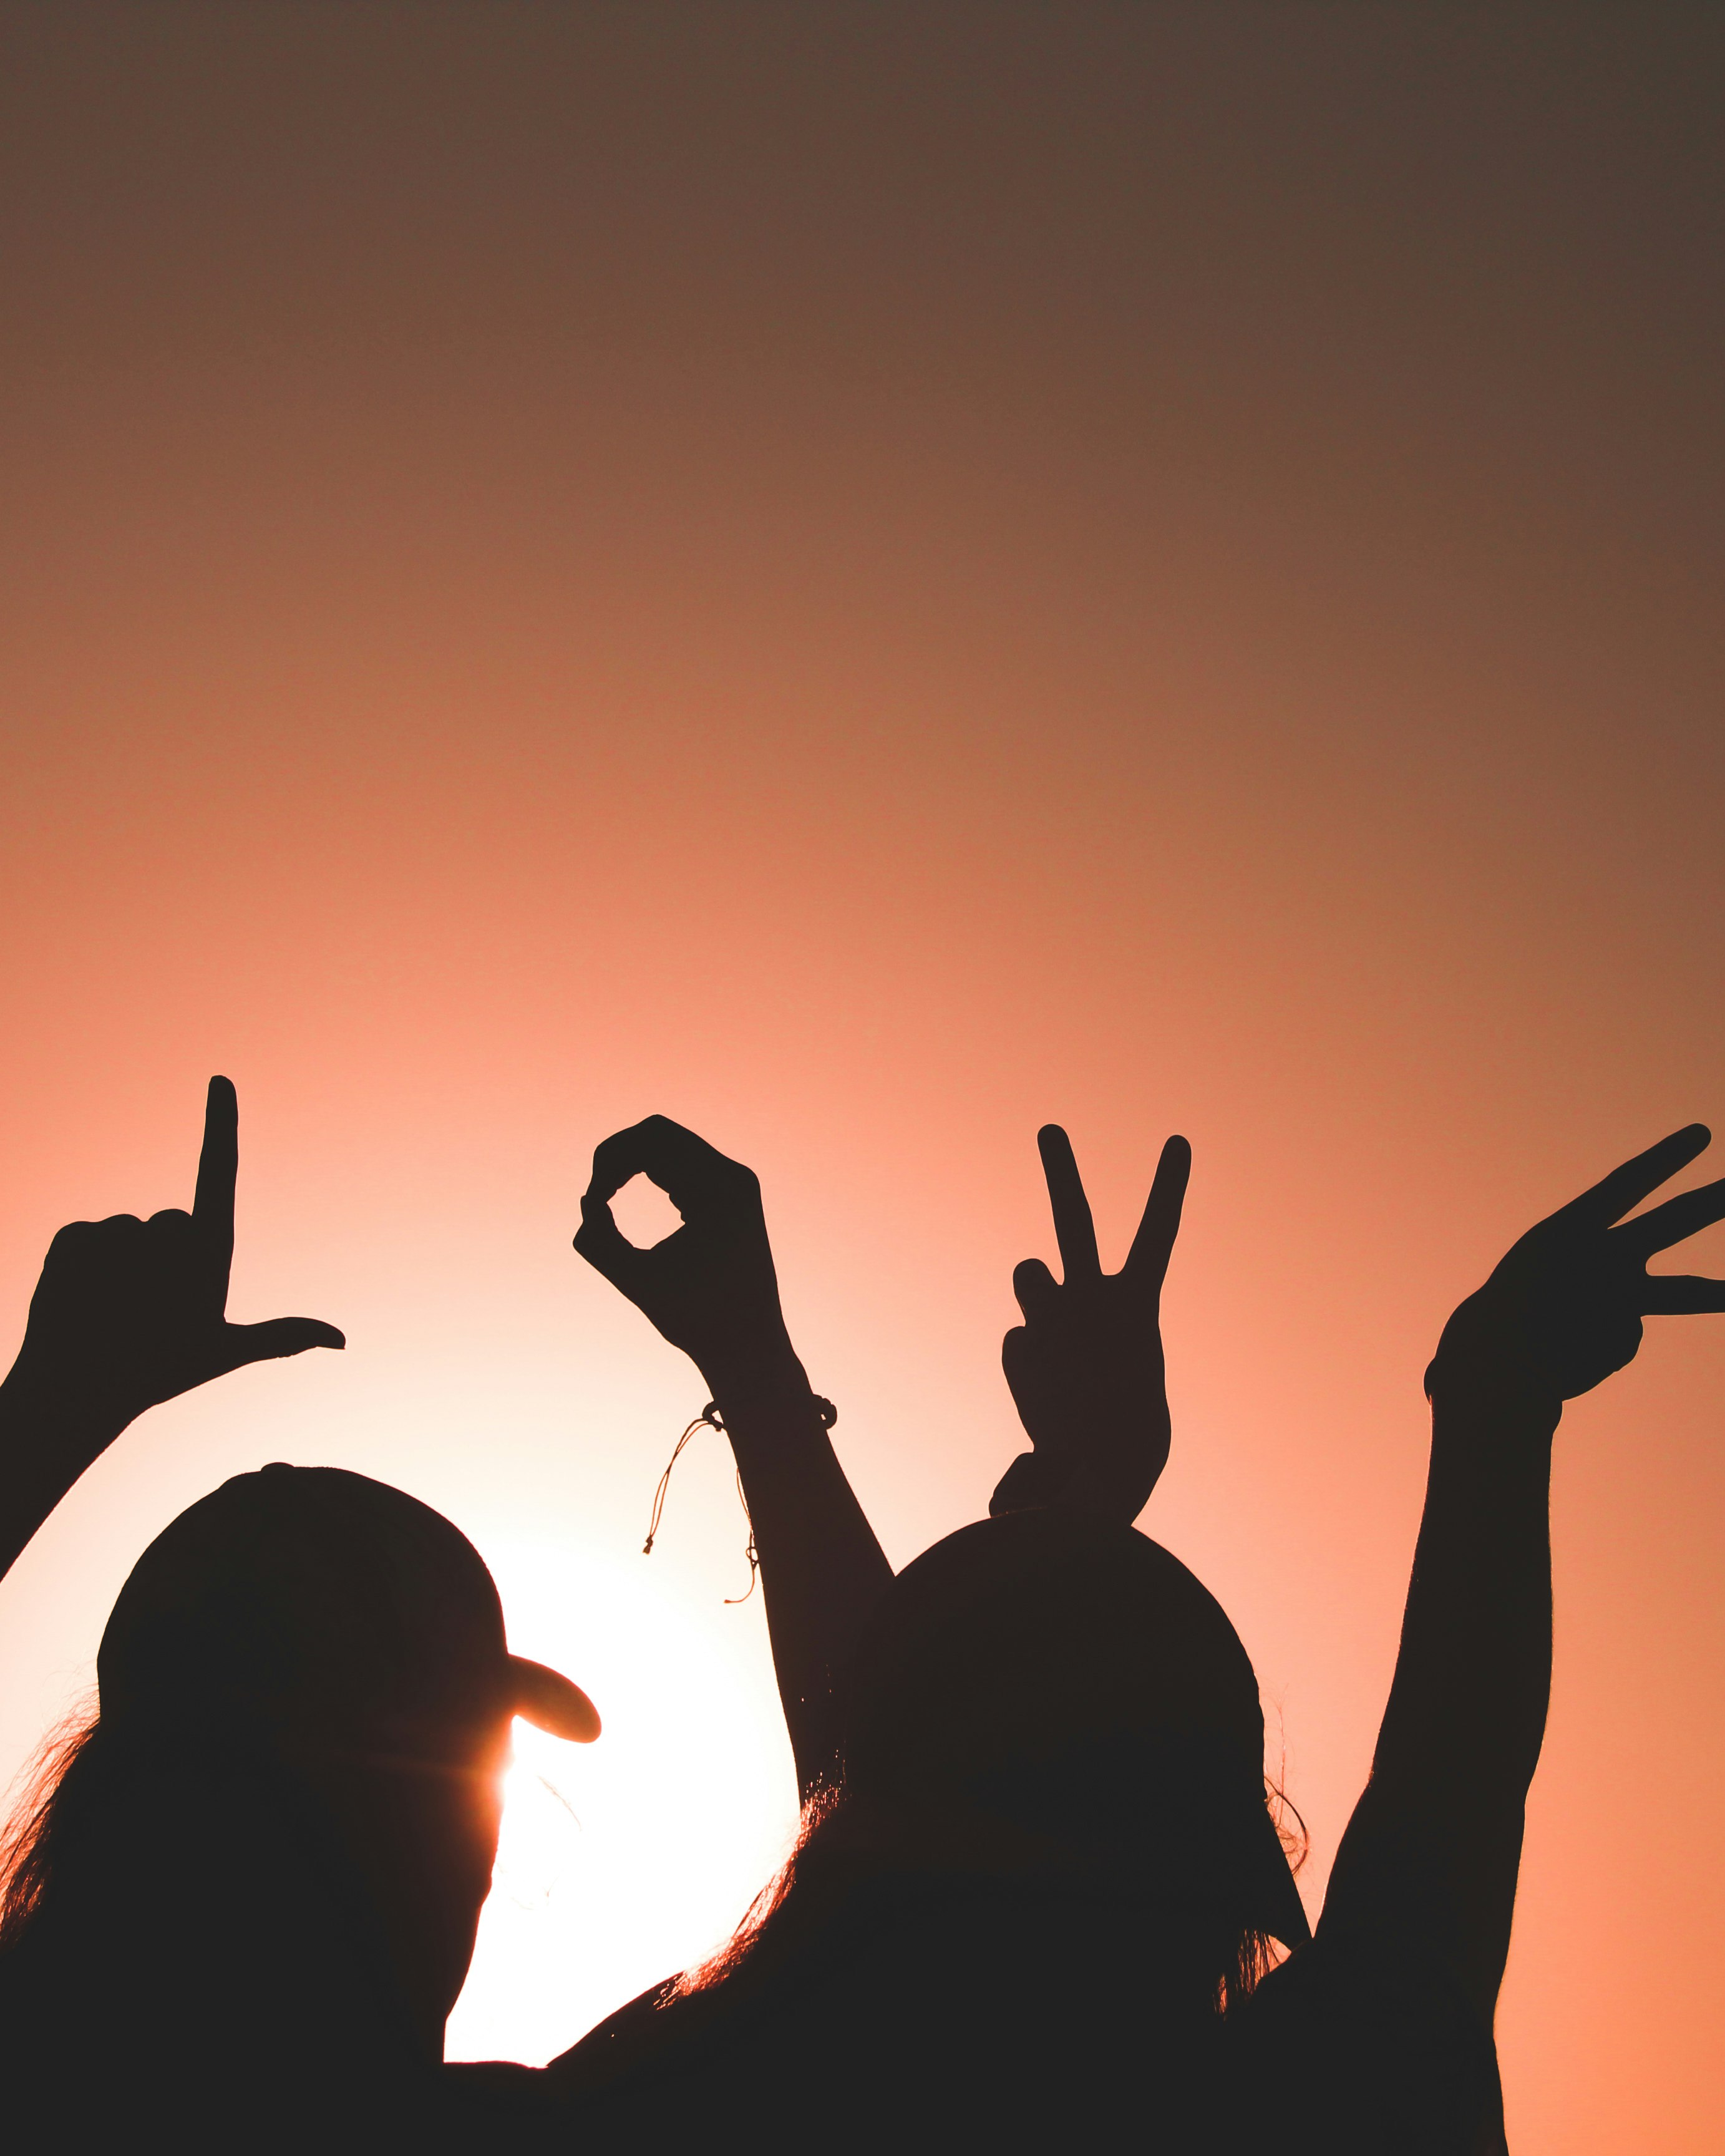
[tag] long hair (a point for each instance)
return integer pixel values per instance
(829, 1858)
(157, 1880)
(853, 1901)
(34, 1834)
(133, 1833)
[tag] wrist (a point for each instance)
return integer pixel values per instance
(1047, 1482)
(1488, 1358)
(766, 1375)
(59, 1401)
(50, 1426)
(747, 1394)
(1501, 1397)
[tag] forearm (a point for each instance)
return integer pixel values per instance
(1431, 1855)
(1468, 1709)
(822, 1571)
(1436, 1841)
(45, 1445)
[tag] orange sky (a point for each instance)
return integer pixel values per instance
(866, 578)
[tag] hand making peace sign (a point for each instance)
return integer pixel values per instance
(1086, 1368)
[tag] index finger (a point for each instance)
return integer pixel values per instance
(605, 1247)
(686, 1168)
(1147, 1261)
(217, 1171)
(1074, 1231)
(1614, 1194)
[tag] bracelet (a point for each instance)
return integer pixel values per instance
(710, 1419)
(709, 1413)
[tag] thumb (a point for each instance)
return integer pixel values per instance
(1034, 1287)
(1012, 1359)
(605, 1247)
(277, 1336)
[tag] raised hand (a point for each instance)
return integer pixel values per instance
(710, 1288)
(129, 1312)
(1434, 1843)
(1564, 1309)
(1086, 1368)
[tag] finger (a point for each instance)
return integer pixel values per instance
(1147, 1261)
(606, 1248)
(1074, 1231)
(80, 1239)
(1033, 1284)
(1680, 1295)
(82, 1257)
(683, 1165)
(1670, 1222)
(1611, 1198)
(118, 1241)
(175, 1252)
(217, 1171)
(277, 1336)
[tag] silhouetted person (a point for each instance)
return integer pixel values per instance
(1040, 1880)
(1038, 1906)
(247, 1898)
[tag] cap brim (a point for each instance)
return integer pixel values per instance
(551, 1702)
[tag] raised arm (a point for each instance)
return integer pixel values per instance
(128, 1313)
(1086, 1368)
(712, 1289)
(1431, 1855)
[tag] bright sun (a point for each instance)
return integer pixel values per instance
(624, 1861)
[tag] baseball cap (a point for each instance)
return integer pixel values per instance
(314, 1586)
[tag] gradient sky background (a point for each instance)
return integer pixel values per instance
(867, 577)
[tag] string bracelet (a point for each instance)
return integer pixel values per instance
(710, 1419)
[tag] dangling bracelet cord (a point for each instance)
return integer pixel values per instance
(710, 1419)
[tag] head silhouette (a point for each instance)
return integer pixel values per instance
(1050, 1864)
(334, 1630)
(1069, 1688)
(256, 1883)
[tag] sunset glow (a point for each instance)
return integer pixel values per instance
(866, 585)
(623, 1861)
